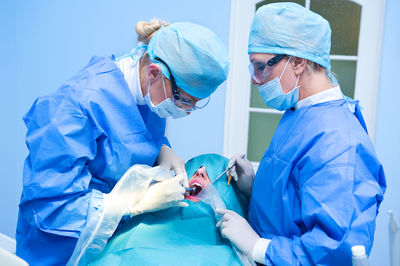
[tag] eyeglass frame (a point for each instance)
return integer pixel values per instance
(176, 95)
(270, 63)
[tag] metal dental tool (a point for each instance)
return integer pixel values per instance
(226, 170)
(189, 189)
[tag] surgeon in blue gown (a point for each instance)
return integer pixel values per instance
(319, 185)
(111, 115)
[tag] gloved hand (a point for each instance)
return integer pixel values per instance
(242, 173)
(171, 161)
(161, 195)
(235, 228)
(141, 189)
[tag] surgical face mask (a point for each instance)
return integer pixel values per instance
(166, 108)
(273, 96)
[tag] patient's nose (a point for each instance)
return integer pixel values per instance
(201, 171)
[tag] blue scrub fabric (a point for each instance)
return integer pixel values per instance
(178, 236)
(318, 187)
(81, 140)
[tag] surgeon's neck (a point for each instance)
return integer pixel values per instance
(313, 83)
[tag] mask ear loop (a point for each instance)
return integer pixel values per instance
(148, 92)
(297, 81)
(148, 89)
(285, 67)
(298, 77)
(163, 84)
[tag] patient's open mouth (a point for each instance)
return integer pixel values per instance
(197, 188)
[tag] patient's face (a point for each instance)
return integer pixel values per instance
(199, 181)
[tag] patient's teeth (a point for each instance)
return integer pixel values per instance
(196, 184)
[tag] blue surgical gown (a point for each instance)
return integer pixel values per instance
(318, 187)
(81, 140)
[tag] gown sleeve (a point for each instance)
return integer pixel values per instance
(61, 139)
(340, 189)
(166, 141)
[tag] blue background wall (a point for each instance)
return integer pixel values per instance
(45, 42)
(387, 139)
(11, 133)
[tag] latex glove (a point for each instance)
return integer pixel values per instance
(243, 173)
(235, 228)
(161, 195)
(171, 161)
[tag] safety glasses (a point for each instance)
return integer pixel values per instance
(180, 100)
(259, 71)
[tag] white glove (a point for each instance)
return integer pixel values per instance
(243, 173)
(170, 161)
(161, 195)
(235, 228)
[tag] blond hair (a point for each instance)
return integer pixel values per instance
(146, 30)
(315, 67)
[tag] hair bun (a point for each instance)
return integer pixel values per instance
(146, 30)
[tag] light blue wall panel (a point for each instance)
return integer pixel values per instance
(388, 131)
(10, 160)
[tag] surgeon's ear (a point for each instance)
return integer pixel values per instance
(299, 65)
(153, 71)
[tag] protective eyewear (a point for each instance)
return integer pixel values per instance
(259, 71)
(180, 100)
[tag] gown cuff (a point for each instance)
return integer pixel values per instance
(259, 249)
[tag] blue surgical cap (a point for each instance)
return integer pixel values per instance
(289, 28)
(196, 56)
